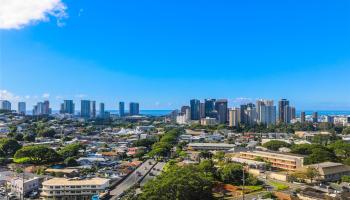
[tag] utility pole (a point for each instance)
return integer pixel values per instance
(243, 197)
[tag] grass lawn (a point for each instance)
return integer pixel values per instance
(254, 188)
(279, 186)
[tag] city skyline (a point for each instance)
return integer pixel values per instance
(138, 51)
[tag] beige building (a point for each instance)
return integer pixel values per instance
(277, 160)
(330, 171)
(234, 116)
(210, 146)
(75, 188)
(208, 121)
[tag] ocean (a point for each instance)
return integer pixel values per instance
(166, 112)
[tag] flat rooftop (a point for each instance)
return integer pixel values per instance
(326, 164)
(67, 182)
(211, 145)
(276, 155)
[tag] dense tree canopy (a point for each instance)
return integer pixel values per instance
(71, 150)
(8, 147)
(274, 145)
(185, 183)
(36, 155)
(162, 148)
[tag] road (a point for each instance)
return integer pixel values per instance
(156, 170)
(132, 179)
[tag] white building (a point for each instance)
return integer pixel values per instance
(19, 188)
(71, 189)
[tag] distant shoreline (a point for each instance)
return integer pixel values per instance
(166, 112)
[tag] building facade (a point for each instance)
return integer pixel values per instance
(121, 109)
(277, 160)
(22, 108)
(85, 108)
(195, 109)
(134, 108)
(222, 111)
(5, 105)
(72, 189)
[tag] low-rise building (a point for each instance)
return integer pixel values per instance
(71, 189)
(21, 187)
(330, 171)
(277, 160)
(210, 146)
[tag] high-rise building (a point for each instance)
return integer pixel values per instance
(184, 108)
(282, 104)
(5, 105)
(266, 112)
(221, 108)
(234, 117)
(314, 117)
(195, 109)
(134, 108)
(85, 109)
(47, 109)
(102, 110)
(329, 119)
(121, 109)
(209, 107)
(42, 108)
(202, 110)
(302, 117)
(67, 107)
(93, 109)
(268, 115)
(248, 114)
(289, 114)
(22, 108)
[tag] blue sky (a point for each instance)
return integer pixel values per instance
(163, 53)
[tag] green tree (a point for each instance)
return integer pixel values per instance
(185, 183)
(312, 173)
(320, 155)
(345, 178)
(207, 166)
(231, 173)
(29, 137)
(36, 155)
(274, 145)
(70, 150)
(19, 137)
(346, 130)
(8, 147)
(340, 148)
(70, 162)
(46, 132)
(303, 149)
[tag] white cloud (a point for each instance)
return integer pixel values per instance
(80, 12)
(80, 96)
(6, 95)
(46, 95)
(242, 100)
(15, 14)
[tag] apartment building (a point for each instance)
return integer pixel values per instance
(75, 188)
(277, 160)
(210, 146)
(22, 187)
